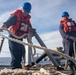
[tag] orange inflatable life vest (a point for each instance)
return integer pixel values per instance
(69, 25)
(23, 24)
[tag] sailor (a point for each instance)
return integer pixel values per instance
(67, 30)
(19, 24)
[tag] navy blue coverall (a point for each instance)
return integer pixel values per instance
(68, 43)
(17, 50)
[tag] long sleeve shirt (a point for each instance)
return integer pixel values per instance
(11, 21)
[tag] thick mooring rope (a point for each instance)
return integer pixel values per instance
(31, 45)
(18, 37)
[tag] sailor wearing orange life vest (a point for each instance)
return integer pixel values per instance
(67, 30)
(19, 24)
(23, 24)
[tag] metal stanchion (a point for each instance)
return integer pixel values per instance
(74, 50)
(1, 44)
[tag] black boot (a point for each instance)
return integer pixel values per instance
(75, 67)
(60, 68)
(72, 70)
(72, 74)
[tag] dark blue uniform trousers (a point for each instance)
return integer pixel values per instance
(69, 49)
(17, 51)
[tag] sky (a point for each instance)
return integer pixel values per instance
(45, 17)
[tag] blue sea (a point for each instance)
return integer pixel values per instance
(5, 60)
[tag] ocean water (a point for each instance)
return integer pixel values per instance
(5, 60)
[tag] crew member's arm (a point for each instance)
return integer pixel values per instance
(64, 35)
(11, 21)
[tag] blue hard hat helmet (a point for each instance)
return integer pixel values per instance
(27, 7)
(64, 14)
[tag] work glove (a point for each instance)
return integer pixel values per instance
(1, 30)
(3, 27)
